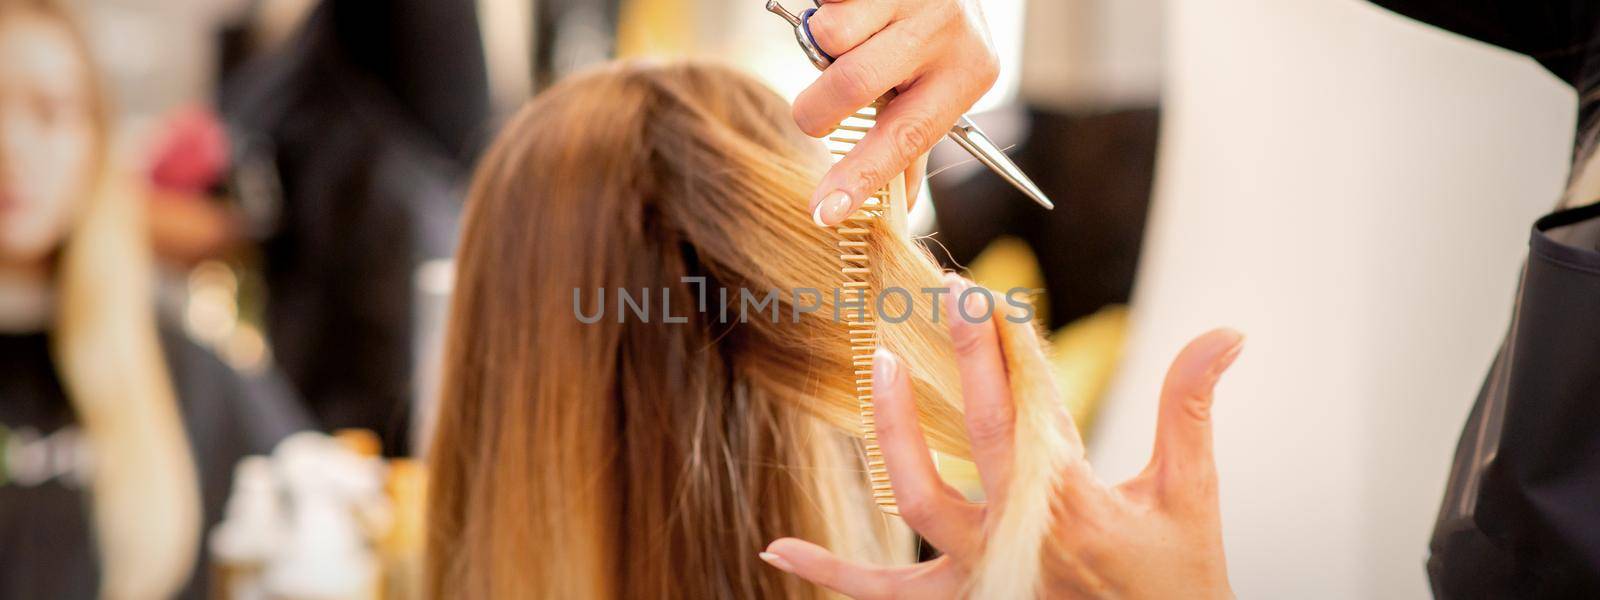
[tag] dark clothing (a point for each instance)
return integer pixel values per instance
(371, 116)
(1560, 34)
(1521, 512)
(47, 548)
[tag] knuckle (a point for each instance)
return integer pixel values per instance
(917, 510)
(886, 428)
(1196, 405)
(968, 338)
(913, 135)
(990, 429)
(870, 176)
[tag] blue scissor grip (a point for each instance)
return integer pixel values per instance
(805, 23)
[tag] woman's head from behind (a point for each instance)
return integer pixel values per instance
(52, 129)
(693, 429)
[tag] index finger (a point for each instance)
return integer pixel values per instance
(886, 59)
(907, 127)
(985, 388)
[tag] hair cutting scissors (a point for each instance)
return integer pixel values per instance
(964, 133)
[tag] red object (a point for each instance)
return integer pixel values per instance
(191, 151)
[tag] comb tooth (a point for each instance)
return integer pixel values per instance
(855, 267)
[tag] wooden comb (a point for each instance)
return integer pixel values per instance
(857, 290)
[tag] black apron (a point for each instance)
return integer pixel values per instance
(1521, 514)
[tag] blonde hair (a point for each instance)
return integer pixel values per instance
(623, 458)
(144, 490)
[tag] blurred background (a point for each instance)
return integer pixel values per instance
(1349, 188)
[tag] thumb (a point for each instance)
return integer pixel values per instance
(1183, 461)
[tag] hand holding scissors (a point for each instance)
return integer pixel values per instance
(931, 57)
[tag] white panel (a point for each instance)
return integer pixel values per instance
(1353, 191)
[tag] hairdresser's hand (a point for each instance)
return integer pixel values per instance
(935, 52)
(1157, 535)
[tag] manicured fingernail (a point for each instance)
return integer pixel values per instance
(1231, 355)
(883, 366)
(955, 283)
(832, 209)
(1227, 357)
(777, 561)
(979, 305)
(975, 307)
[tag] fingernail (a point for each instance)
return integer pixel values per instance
(832, 209)
(1227, 357)
(883, 366)
(777, 561)
(978, 307)
(956, 284)
(1231, 355)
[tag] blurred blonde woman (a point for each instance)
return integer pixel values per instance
(659, 445)
(119, 434)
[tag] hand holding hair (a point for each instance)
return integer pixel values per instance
(1157, 535)
(936, 53)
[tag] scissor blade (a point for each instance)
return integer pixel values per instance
(970, 138)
